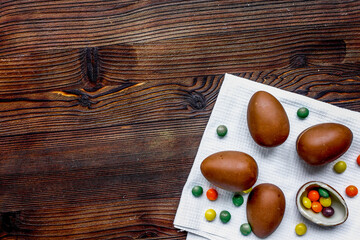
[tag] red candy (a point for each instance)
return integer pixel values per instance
(351, 191)
(358, 160)
(313, 195)
(212, 194)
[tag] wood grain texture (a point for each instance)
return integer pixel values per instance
(93, 68)
(118, 220)
(103, 103)
(42, 25)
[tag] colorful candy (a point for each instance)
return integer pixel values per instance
(212, 194)
(325, 202)
(323, 193)
(317, 203)
(245, 229)
(340, 167)
(358, 160)
(210, 215)
(221, 130)
(316, 207)
(238, 199)
(306, 202)
(313, 195)
(303, 112)
(225, 216)
(300, 229)
(247, 191)
(197, 191)
(351, 191)
(328, 211)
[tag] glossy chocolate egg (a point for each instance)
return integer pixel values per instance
(267, 120)
(230, 170)
(265, 209)
(323, 143)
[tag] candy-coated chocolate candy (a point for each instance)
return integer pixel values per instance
(358, 160)
(210, 215)
(197, 191)
(248, 190)
(324, 193)
(238, 199)
(328, 211)
(351, 191)
(225, 216)
(306, 202)
(316, 207)
(325, 202)
(303, 112)
(340, 167)
(313, 195)
(245, 229)
(300, 229)
(221, 130)
(212, 194)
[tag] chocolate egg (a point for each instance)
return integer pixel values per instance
(267, 120)
(230, 170)
(323, 143)
(265, 209)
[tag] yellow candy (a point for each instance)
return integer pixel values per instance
(325, 202)
(306, 202)
(210, 215)
(300, 229)
(248, 190)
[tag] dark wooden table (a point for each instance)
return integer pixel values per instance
(103, 103)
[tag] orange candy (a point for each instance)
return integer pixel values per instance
(358, 160)
(316, 207)
(313, 195)
(351, 191)
(212, 194)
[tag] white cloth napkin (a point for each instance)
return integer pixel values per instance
(280, 166)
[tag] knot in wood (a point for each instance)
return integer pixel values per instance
(147, 235)
(92, 64)
(196, 100)
(298, 61)
(85, 101)
(269, 78)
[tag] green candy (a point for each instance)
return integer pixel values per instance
(340, 167)
(238, 200)
(303, 112)
(221, 130)
(245, 229)
(197, 191)
(323, 193)
(225, 216)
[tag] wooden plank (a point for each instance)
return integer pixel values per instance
(124, 104)
(40, 25)
(93, 68)
(150, 101)
(141, 219)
